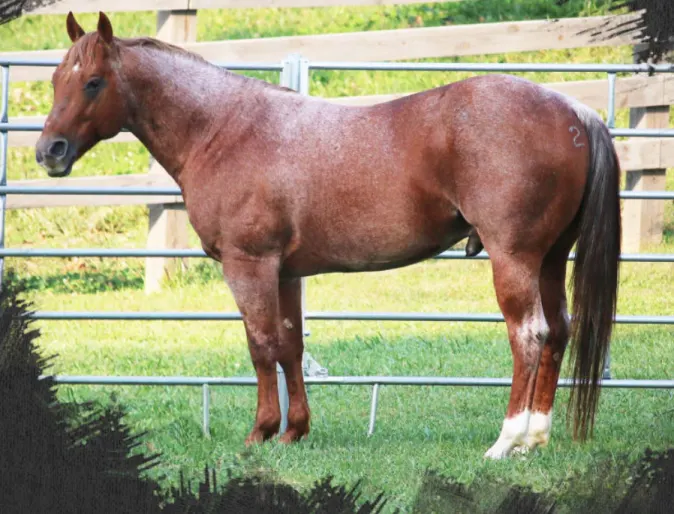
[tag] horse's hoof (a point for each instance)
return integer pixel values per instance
(253, 440)
(257, 436)
(495, 455)
(292, 437)
(522, 451)
(499, 451)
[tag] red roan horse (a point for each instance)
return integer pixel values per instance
(280, 186)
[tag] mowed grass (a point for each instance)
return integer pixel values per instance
(417, 427)
(444, 428)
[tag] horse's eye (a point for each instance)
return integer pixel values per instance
(93, 85)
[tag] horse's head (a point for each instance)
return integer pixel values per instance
(88, 104)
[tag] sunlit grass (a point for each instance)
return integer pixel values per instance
(445, 428)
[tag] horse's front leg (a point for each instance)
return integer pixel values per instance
(291, 338)
(254, 282)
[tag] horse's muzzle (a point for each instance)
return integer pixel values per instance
(55, 155)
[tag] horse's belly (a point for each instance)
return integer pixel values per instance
(377, 250)
(301, 265)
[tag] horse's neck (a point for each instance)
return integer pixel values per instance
(178, 102)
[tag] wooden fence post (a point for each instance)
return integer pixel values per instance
(168, 223)
(643, 220)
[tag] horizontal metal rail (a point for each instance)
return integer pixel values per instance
(99, 252)
(641, 132)
(404, 66)
(647, 195)
(94, 191)
(504, 67)
(27, 127)
(323, 316)
(234, 66)
(194, 253)
(37, 127)
(374, 381)
(336, 380)
(164, 191)
(626, 257)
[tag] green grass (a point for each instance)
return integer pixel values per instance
(445, 428)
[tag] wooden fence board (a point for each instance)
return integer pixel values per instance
(23, 139)
(634, 154)
(386, 45)
(255, 4)
(124, 181)
(638, 91)
(92, 6)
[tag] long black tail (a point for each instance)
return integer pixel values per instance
(595, 274)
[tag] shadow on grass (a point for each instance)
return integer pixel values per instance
(109, 279)
(608, 488)
(80, 282)
(668, 233)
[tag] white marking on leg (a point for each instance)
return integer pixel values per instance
(540, 426)
(513, 434)
(534, 328)
(287, 323)
(532, 334)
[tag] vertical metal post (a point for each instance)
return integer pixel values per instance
(206, 395)
(610, 122)
(373, 409)
(289, 79)
(305, 330)
(303, 76)
(607, 366)
(610, 118)
(302, 80)
(4, 108)
(295, 75)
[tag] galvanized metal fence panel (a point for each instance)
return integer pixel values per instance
(295, 72)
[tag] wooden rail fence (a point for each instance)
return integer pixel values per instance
(643, 160)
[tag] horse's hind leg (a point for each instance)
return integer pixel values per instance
(553, 293)
(516, 280)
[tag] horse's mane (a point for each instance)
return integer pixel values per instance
(177, 50)
(160, 45)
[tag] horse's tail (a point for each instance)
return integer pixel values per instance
(595, 272)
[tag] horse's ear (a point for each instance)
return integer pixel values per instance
(104, 27)
(74, 30)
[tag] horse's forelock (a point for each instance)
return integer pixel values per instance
(86, 50)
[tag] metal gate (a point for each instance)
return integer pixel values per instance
(295, 72)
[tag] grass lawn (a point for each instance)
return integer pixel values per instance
(444, 428)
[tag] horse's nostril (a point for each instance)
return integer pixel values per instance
(38, 156)
(58, 148)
